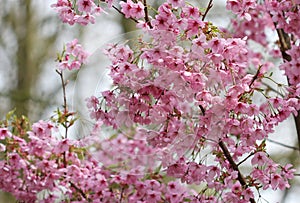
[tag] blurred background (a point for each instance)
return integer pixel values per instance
(31, 35)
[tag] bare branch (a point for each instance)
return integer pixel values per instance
(146, 14)
(209, 6)
(63, 83)
(283, 145)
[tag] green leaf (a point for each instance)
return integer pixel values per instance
(270, 75)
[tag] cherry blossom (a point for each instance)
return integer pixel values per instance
(181, 110)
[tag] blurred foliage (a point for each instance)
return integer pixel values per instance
(27, 43)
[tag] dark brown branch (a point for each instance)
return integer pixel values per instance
(245, 159)
(147, 14)
(209, 6)
(79, 190)
(285, 45)
(255, 77)
(234, 166)
(297, 121)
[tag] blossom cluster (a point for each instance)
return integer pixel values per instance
(241, 8)
(72, 57)
(40, 166)
(182, 106)
(285, 15)
(188, 89)
(84, 12)
(81, 11)
(292, 68)
(132, 10)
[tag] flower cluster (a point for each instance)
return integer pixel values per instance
(189, 89)
(267, 171)
(132, 10)
(241, 7)
(72, 57)
(182, 106)
(292, 68)
(41, 166)
(285, 15)
(82, 12)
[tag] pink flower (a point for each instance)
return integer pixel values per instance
(194, 26)
(92, 102)
(138, 10)
(248, 194)
(62, 146)
(86, 19)
(127, 7)
(288, 171)
(233, 5)
(153, 196)
(63, 65)
(177, 170)
(236, 188)
(278, 182)
(132, 10)
(72, 46)
(191, 11)
(85, 5)
(260, 159)
(4, 133)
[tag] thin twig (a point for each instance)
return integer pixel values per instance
(245, 159)
(283, 145)
(63, 83)
(119, 11)
(272, 89)
(209, 6)
(65, 106)
(121, 195)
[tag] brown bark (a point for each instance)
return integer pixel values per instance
(234, 166)
(285, 45)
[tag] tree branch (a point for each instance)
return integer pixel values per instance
(146, 14)
(79, 190)
(209, 6)
(283, 145)
(285, 44)
(234, 166)
(63, 83)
